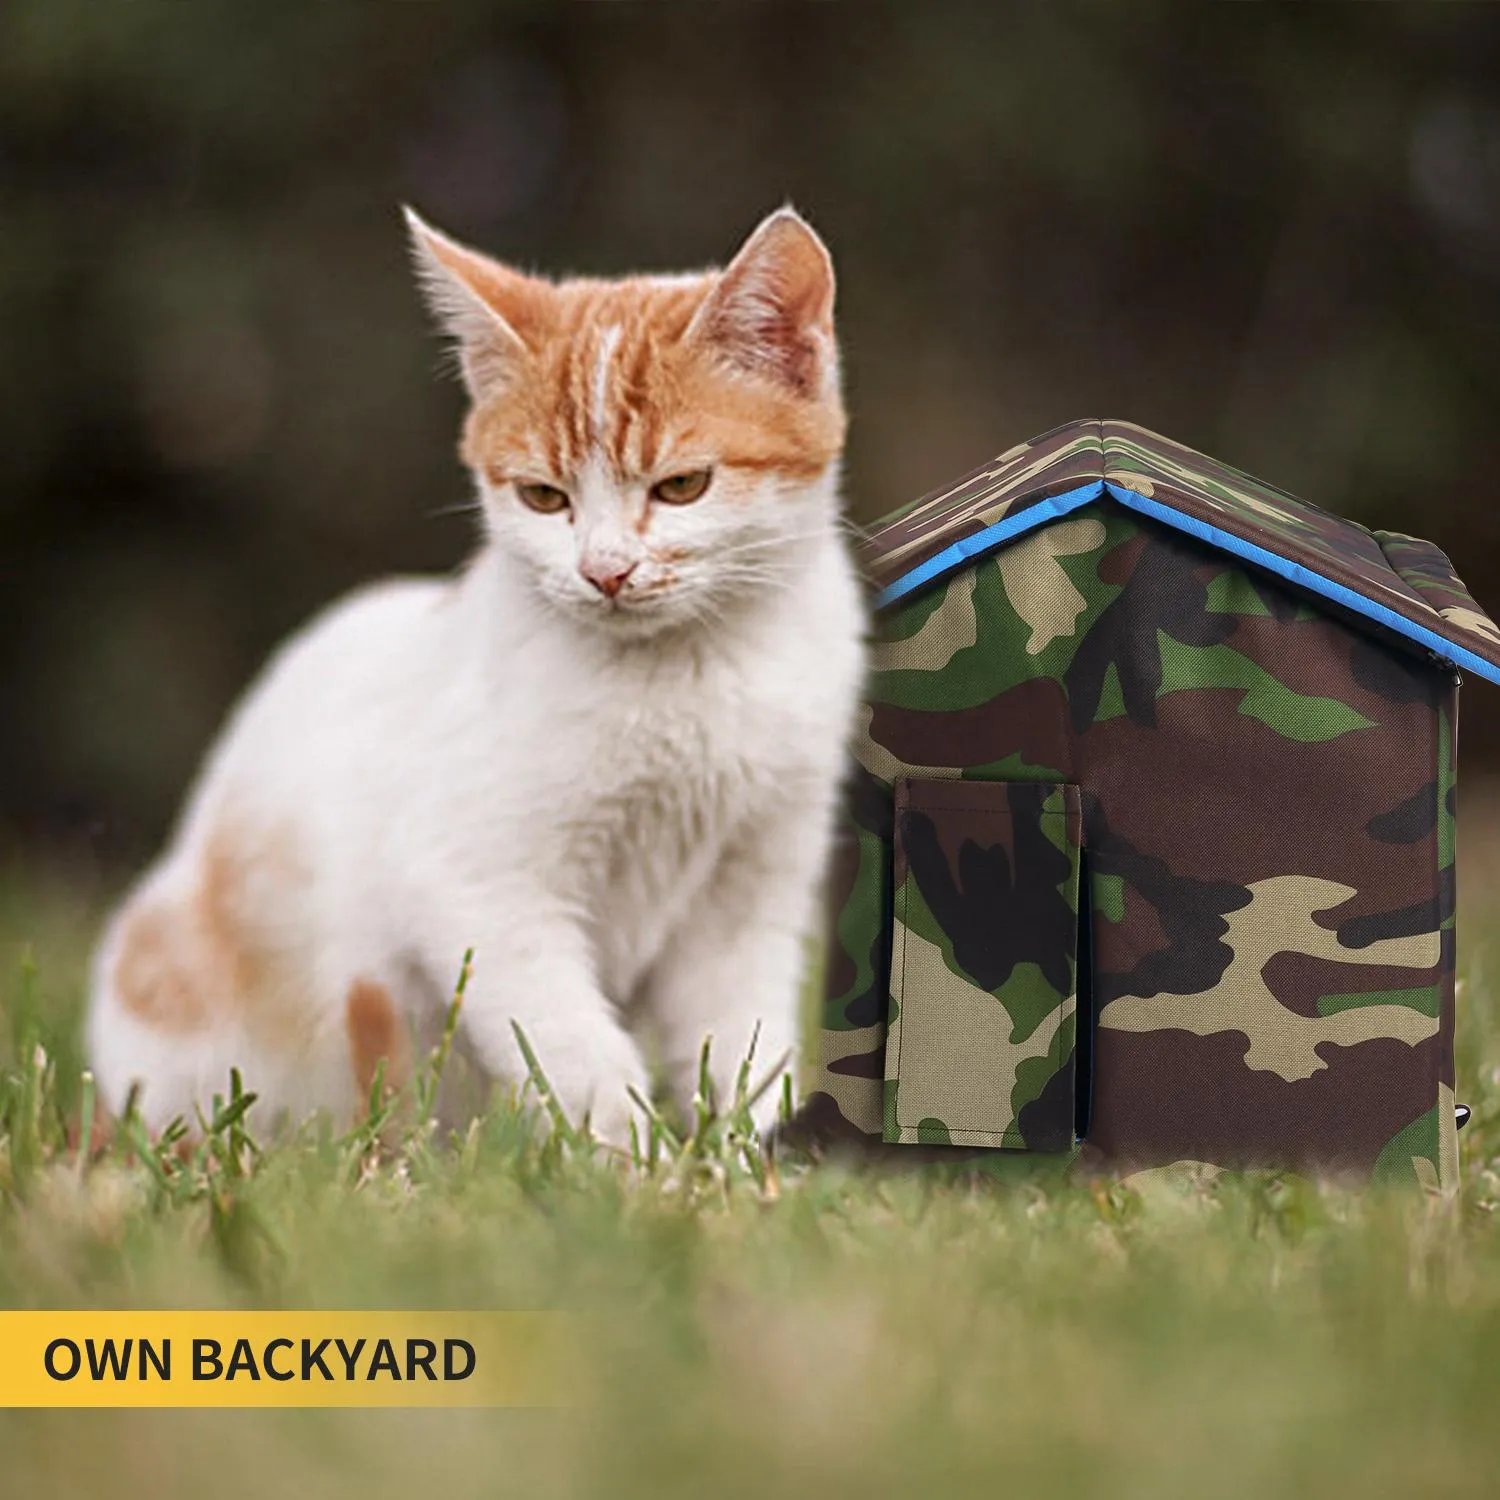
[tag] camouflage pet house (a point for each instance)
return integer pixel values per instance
(1149, 847)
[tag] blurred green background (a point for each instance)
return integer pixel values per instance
(1272, 232)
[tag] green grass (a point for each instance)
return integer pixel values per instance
(791, 1332)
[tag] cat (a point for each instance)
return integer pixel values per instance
(605, 755)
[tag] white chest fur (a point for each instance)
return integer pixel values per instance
(616, 779)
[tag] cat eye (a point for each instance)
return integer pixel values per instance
(682, 489)
(545, 498)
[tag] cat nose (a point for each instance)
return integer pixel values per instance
(608, 577)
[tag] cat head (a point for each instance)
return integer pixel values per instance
(655, 448)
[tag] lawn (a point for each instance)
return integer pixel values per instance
(807, 1330)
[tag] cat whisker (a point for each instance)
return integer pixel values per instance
(458, 508)
(755, 575)
(776, 543)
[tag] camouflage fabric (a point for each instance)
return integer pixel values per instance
(1428, 573)
(979, 1040)
(1266, 796)
(1020, 477)
(1412, 579)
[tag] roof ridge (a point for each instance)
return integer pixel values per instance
(1415, 594)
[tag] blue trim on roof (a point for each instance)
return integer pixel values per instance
(1055, 506)
(1006, 529)
(1305, 578)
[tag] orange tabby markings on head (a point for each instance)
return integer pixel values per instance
(647, 372)
(615, 373)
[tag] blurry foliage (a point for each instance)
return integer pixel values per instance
(1272, 232)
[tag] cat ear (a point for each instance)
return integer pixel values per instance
(771, 311)
(484, 305)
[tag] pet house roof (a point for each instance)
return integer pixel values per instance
(1401, 583)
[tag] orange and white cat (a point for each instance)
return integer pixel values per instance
(605, 756)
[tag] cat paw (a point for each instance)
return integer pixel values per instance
(611, 1117)
(598, 1087)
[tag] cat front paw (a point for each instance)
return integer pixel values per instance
(595, 1083)
(611, 1117)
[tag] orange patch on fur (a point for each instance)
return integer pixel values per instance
(156, 974)
(376, 1033)
(183, 965)
(221, 913)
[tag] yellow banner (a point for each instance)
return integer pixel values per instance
(283, 1359)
